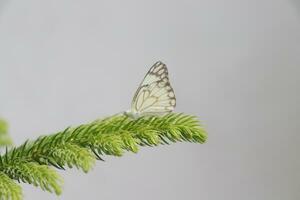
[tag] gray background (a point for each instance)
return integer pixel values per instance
(233, 63)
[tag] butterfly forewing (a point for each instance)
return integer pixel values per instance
(157, 72)
(155, 94)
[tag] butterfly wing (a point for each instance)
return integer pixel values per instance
(155, 94)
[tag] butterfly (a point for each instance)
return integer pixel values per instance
(155, 95)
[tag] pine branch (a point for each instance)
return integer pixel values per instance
(9, 190)
(80, 146)
(4, 137)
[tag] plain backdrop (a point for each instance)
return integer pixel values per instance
(233, 63)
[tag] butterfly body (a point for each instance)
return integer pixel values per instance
(155, 96)
(131, 114)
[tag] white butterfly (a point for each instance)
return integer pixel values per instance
(155, 96)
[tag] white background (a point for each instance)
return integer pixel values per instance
(233, 63)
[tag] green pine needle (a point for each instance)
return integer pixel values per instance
(80, 146)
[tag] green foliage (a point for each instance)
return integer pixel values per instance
(80, 146)
(9, 190)
(33, 173)
(4, 137)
